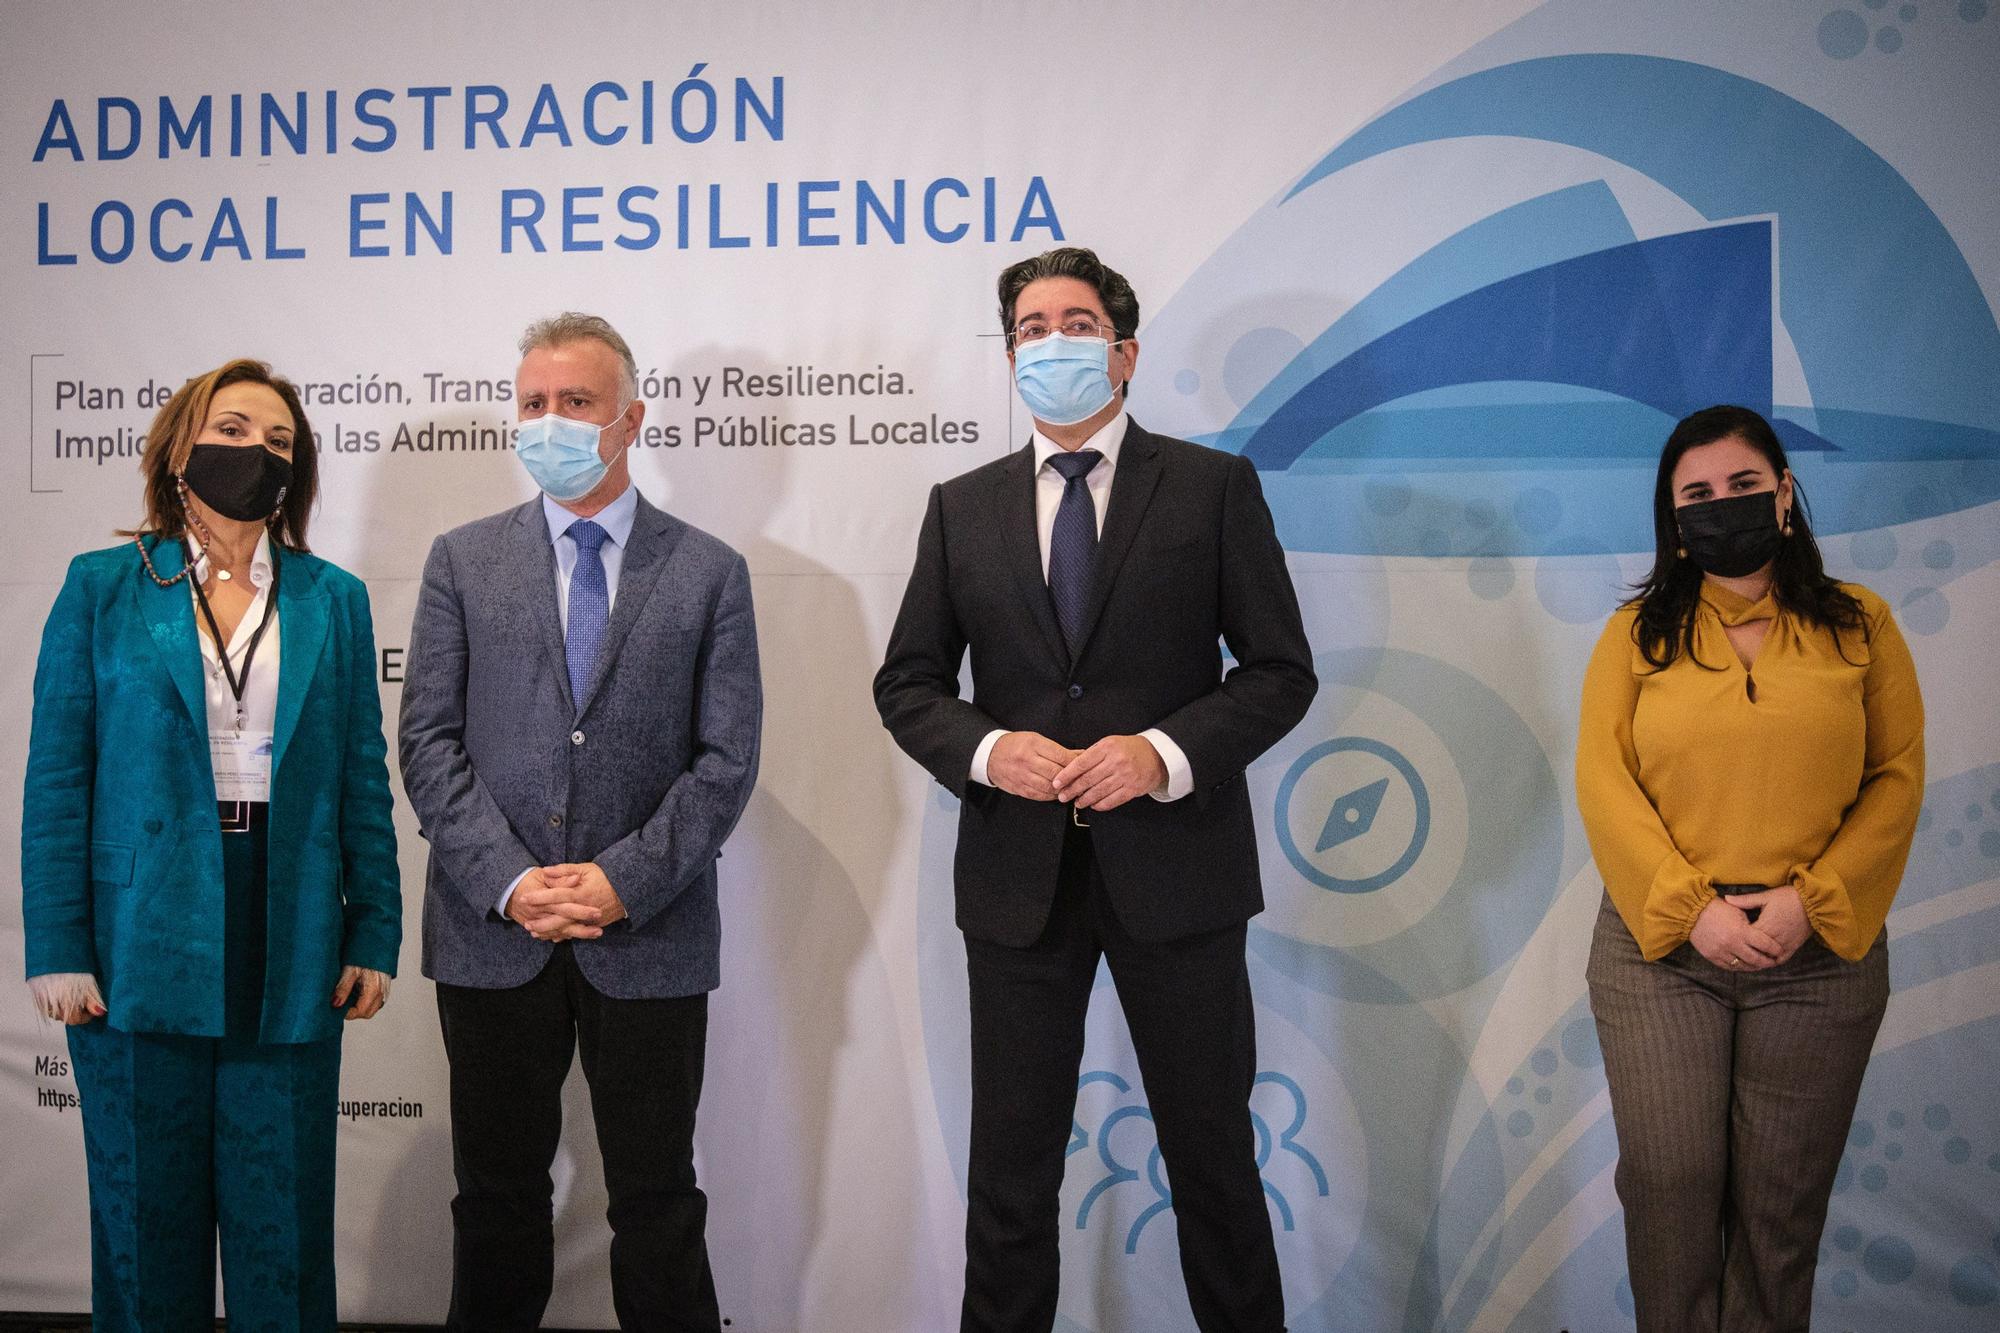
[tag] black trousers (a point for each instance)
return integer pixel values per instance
(510, 1051)
(1187, 1004)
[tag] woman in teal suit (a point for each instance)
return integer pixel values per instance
(209, 867)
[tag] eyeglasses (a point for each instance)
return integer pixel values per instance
(1076, 326)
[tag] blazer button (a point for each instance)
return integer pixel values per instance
(153, 826)
(555, 821)
(1076, 691)
(576, 738)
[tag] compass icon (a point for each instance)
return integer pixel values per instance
(1353, 814)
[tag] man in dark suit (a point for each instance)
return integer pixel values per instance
(1100, 762)
(579, 734)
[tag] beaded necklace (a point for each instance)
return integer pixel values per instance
(201, 529)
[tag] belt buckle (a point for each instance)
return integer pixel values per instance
(235, 816)
(1075, 818)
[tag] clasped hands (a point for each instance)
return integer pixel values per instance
(565, 902)
(1102, 777)
(1725, 935)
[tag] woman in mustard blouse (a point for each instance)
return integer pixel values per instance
(1749, 769)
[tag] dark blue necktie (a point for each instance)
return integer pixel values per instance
(1073, 543)
(589, 606)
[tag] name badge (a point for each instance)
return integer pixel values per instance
(242, 763)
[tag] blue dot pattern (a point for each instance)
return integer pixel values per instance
(589, 606)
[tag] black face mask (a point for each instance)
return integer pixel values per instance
(1732, 537)
(245, 482)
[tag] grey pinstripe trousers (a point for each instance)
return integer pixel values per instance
(1732, 1094)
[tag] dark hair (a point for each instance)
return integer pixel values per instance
(171, 438)
(1666, 597)
(1072, 261)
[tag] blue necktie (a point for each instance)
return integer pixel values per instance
(1073, 544)
(589, 606)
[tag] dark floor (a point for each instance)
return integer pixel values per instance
(69, 1323)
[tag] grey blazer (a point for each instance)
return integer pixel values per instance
(645, 775)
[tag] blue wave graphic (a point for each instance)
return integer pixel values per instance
(1675, 323)
(1547, 229)
(1866, 265)
(1506, 392)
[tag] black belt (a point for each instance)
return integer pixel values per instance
(241, 816)
(1724, 890)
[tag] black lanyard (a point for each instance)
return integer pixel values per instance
(236, 682)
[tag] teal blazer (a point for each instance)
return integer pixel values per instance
(121, 847)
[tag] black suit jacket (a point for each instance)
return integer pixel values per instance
(1187, 557)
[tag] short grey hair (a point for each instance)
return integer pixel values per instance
(572, 326)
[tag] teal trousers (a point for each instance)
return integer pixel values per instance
(193, 1138)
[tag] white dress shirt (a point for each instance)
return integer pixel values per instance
(260, 691)
(1049, 486)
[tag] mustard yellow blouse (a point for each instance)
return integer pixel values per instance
(1806, 769)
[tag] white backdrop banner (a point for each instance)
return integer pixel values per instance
(1446, 273)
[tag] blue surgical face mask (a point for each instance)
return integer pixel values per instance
(1064, 380)
(561, 455)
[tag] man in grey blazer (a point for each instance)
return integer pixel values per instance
(579, 735)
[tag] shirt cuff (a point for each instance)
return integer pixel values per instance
(1180, 774)
(1677, 897)
(1829, 911)
(980, 756)
(507, 895)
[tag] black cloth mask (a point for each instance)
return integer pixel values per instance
(1732, 537)
(245, 482)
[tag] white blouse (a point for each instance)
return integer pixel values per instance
(260, 692)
